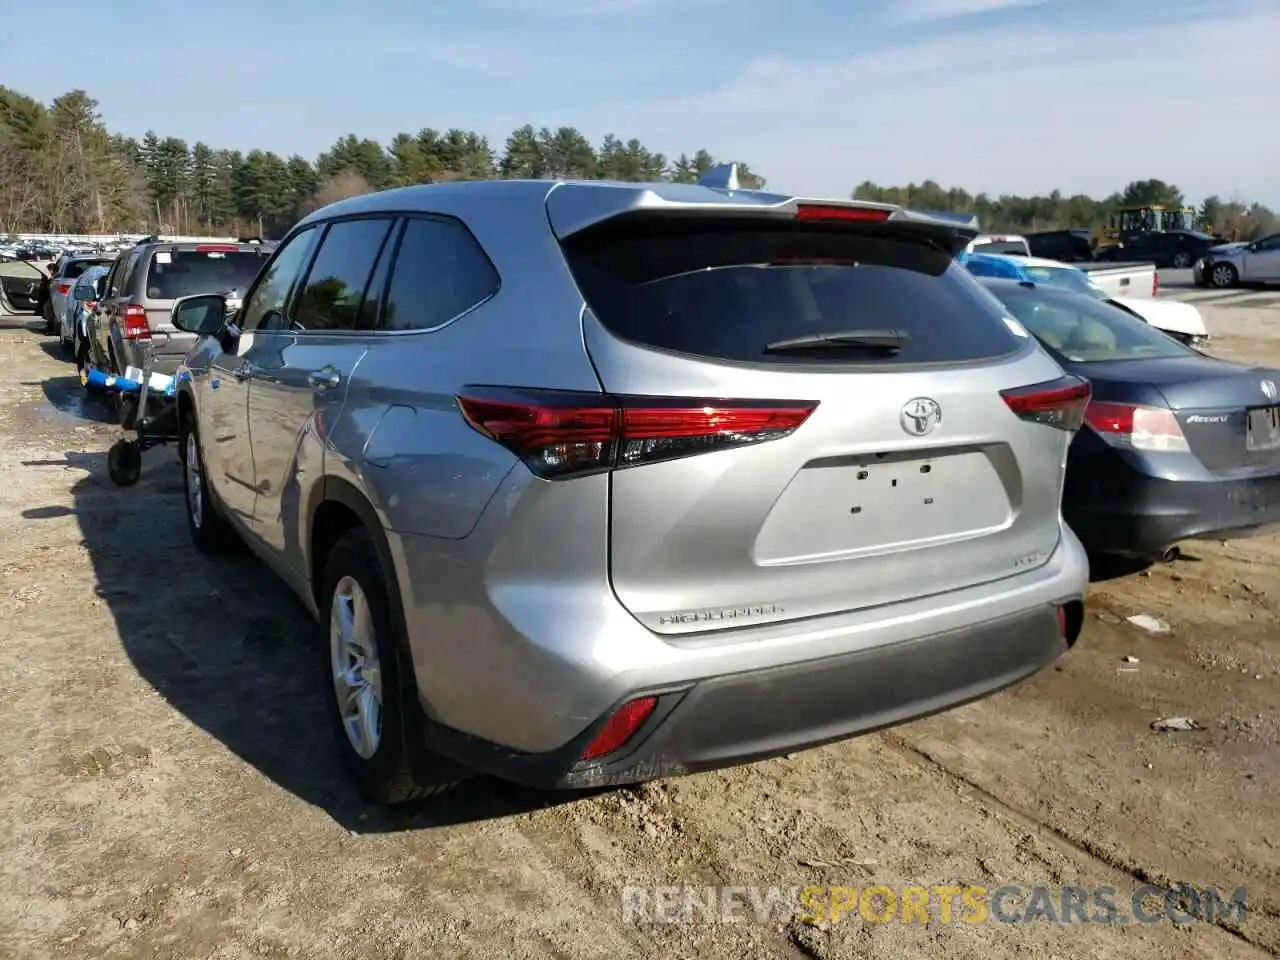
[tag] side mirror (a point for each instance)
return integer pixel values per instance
(203, 315)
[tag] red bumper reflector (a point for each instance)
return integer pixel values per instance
(620, 727)
(1062, 620)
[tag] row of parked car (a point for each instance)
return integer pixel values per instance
(593, 483)
(1213, 262)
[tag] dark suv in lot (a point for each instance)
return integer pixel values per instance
(132, 322)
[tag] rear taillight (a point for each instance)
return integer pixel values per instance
(1153, 429)
(559, 434)
(1056, 403)
(63, 288)
(620, 727)
(90, 304)
(135, 323)
(814, 212)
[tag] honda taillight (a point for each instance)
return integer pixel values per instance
(135, 323)
(1056, 403)
(559, 434)
(63, 288)
(814, 212)
(1154, 429)
(620, 727)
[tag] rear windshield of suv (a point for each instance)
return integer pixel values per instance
(728, 289)
(74, 268)
(185, 273)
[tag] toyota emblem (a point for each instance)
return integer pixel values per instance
(1268, 389)
(921, 416)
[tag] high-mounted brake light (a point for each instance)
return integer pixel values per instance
(562, 434)
(1154, 429)
(217, 248)
(135, 323)
(620, 727)
(1056, 403)
(816, 212)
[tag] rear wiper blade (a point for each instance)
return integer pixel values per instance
(887, 340)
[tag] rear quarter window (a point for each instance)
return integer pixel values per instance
(726, 290)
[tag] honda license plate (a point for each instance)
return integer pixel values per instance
(1264, 429)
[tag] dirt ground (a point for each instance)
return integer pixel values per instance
(168, 787)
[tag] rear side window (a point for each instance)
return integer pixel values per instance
(440, 272)
(185, 273)
(727, 290)
(340, 273)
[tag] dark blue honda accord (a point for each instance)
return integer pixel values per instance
(1176, 445)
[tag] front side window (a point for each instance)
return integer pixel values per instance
(267, 301)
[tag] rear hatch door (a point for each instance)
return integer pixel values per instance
(911, 476)
(184, 270)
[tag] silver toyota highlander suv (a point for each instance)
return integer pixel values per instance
(590, 483)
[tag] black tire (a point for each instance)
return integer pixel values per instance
(124, 463)
(400, 769)
(1221, 276)
(50, 323)
(1182, 260)
(210, 531)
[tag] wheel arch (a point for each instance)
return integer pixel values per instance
(337, 506)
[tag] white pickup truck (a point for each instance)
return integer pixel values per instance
(1136, 280)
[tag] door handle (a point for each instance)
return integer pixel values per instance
(326, 378)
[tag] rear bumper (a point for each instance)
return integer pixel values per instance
(753, 715)
(1145, 516)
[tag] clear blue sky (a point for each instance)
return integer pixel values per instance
(998, 95)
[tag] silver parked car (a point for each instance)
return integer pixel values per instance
(61, 281)
(1256, 261)
(590, 483)
(72, 328)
